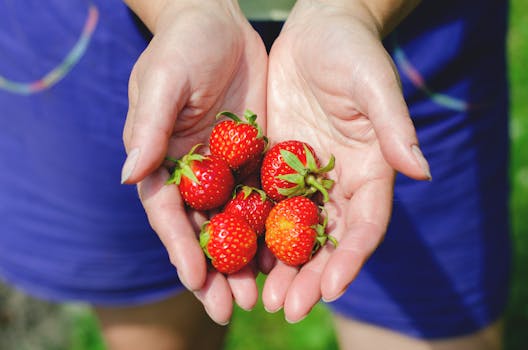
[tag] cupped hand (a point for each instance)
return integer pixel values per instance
(332, 84)
(204, 58)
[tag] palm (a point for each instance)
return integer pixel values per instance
(197, 64)
(192, 71)
(321, 89)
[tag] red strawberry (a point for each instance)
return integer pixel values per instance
(290, 168)
(251, 204)
(240, 143)
(293, 232)
(205, 182)
(229, 242)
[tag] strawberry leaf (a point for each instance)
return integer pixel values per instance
(188, 173)
(329, 166)
(263, 196)
(230, 115)
(171, 159)
(322, 237)
(292, 178)
(247, 191)
(175, 177)
(250, 117)
(204, 238)
(252, 120)
(311, 164)
(291, 191)
(293, 161)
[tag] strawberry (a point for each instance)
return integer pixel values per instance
(251, 204)
(293, 231)
(205, 181)
(240, 142)
(229, 242)
(290, 168)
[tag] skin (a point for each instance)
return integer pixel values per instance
(328, 82)
(174, 323)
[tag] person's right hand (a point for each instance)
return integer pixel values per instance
(204, 58)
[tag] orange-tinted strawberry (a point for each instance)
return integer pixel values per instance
(251, 204)
(240, 142)
(294, 232)
(229, 242)
(205, 181)
(291, 168)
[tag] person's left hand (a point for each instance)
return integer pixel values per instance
(332, 84)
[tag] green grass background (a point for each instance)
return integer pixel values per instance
(517, 314)
(259, 330)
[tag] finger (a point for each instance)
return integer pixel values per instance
(359, 233)
(132, 102)
(162, 91)
(305, 290)
(216, 298)
(276, 286)
(244, 287)
(393, 126)
(166, 214)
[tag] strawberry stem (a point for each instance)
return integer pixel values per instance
(172, 159)
(316, 185)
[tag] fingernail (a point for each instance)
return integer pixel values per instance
(129, 165)
(294, 322)
(334, 298)
(422, 161)
(186, 285)
(248, 309)
(272, 311)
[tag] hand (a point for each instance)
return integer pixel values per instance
(332, 84)
(204, 57)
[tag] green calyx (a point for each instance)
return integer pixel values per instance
(250, 119)
(247, 190)
(204, 238)
(308, 179)
(322, 237)
(183, 166)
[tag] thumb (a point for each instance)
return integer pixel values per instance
(394, 128)
(160, 95)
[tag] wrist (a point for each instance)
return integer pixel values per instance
(156, 13)
(379, 16)
(389, 13)
(147, 10)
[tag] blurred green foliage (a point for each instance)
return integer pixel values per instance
(517, 314)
